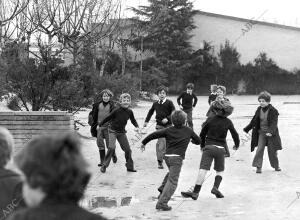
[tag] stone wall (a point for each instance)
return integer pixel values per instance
(26, 125)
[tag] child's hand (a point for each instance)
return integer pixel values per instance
(268, 134)
(145, 124)
(164, 121)
(142, 147)
(137, 130)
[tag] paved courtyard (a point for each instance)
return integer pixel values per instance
(270, 195)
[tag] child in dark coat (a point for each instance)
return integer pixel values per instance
(100, 111)
(119, 118)
(187, 101)
(213, 140)
(265, 132)
(163, 109)
(177, 137)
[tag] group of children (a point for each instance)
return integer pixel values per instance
(174, 130)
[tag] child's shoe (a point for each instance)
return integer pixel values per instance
(217, 193)
(190, 194)
(103, 168)
(163, 207)
(277, 169)
(258, 170)
(160, 165)
(131, 170)
(114, 158)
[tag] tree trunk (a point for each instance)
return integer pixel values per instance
(124, 50)
(102, 67)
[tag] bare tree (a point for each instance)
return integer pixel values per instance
(9, 9)
(89, 24)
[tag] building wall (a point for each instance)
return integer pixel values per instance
(281, 43)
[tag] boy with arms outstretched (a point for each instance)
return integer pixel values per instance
(177, 137)
(119, 118)
(213, 140)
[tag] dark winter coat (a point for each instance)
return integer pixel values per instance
(10, 193)
(94, 114)
(273, 141)
(53, 210)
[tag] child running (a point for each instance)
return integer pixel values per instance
(265, 132)
(213, 138)
(220, 95)
(163, 109)
(187, 100)
(100, 111)
(177, 137)
(116, 131)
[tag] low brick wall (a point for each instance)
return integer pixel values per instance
(26, 125)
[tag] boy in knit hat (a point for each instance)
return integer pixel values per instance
(177, 137)
(213, 139)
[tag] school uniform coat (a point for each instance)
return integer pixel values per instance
(94, 114)
(272, 118)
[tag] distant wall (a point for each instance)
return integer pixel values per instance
(280, 42)
(26, 125)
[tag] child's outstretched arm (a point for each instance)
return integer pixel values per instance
(133, 121)
(203, 133)
(152, 136)
(195, 139)
(195, 100)
(149, 115)
(235, 136)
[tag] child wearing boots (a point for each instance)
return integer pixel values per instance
(177, 137)
(187, 101)
(213, 138)
(163, 109)
(265, 132)
(100, 111)
(116, 131)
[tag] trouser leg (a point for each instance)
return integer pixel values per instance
(259, 155)
(123, 141)
(111, 148)
(174, 164)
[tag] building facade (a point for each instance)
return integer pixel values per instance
(250, 37)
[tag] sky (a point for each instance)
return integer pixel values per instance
(286, 12)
